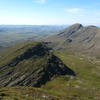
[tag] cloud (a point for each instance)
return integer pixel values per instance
(40, 1)
(73, 10)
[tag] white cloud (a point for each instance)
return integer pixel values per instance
(40, 1)
(73, 10)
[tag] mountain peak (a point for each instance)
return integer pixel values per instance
(77, 25)
(70, 30)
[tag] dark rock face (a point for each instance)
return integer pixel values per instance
(34, 67)
(54, 68)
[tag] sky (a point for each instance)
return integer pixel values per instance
(50, 12)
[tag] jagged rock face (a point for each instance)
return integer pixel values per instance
(33, 67)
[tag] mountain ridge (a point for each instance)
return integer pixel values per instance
(30, 64)
(77, 39)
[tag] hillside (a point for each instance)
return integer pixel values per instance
(77, 39)
(30, 64)
(24, 93)
(84, 86)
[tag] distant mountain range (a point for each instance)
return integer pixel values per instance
(11, 34)
(77, 39)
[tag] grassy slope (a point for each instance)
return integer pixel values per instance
(16, 51)
(86, 84)
(24, 46)
(24, 93)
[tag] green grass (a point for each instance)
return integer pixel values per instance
(24, 93)
(84, 86)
